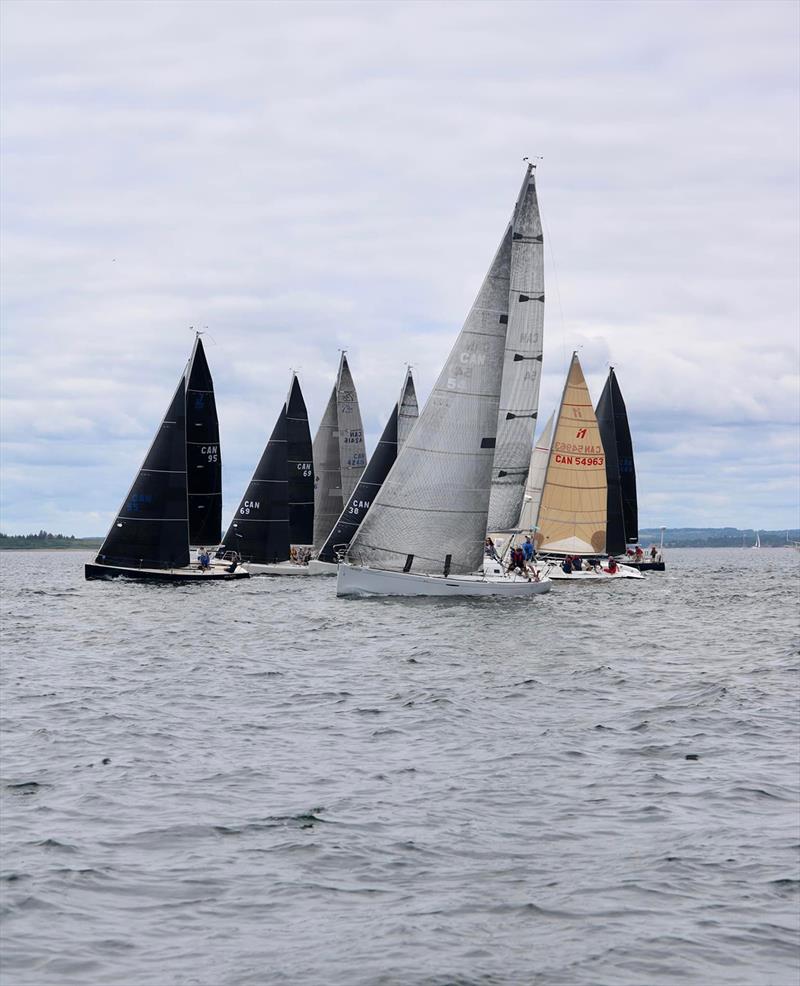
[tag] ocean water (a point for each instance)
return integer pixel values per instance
(258, 783)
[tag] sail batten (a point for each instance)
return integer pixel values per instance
(572, 512)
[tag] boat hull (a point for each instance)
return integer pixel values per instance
(316, 567)
(557, 573)
(279, 568)
(92, 570)
(356, 581)
(647, 566)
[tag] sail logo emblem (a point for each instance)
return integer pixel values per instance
(581, 433)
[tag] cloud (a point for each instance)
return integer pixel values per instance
(304, 178)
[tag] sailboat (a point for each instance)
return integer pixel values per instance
(175, 499)
(758, 540)
(276, 512)
(339, 454)
(424, 534)
(397, 429)
(574, 506)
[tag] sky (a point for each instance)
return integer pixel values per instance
(300, 178)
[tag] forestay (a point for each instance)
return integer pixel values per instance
(435, 500)
(572, 515)
(203, 458)
(522, 368)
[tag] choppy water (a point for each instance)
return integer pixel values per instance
(259, 783)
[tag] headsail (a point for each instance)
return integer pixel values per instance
(352, 449)
(408, 409)
(533, 490)
(372, 479)
(434, 502)
(301, 468)
(623, 513)
(152, 527)
(203, 459)
(572, 515)
(259, 530)
(522, 369)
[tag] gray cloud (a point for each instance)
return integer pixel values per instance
(305, 177)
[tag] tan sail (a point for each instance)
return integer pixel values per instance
(572, 515)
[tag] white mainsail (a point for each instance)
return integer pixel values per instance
(435, 500)
(522, 369)
(407, 409)
(572, 514)
(352, 449)
(533, 489)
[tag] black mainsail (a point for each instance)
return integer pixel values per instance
(615, 434)
(203, 459)
(150, 530)
(301, 468)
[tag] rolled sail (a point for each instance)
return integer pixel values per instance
(203, 457)
(301, 468)
(572, 515)
(435, 500)
(522, 367)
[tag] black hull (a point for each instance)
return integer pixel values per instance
(644, 566)
(174, 576)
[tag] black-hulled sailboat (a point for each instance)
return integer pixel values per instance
(175, 498)
(274, 521)
(398, 427)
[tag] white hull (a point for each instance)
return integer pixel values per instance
(316, 567)
(356, 581)
(623, 572)
(278, 568)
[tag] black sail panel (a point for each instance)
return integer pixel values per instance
(151, 528)
(259, 530)
(301, 468)
(627, 469)
(365, 492)
(606, 420)
(203, 459)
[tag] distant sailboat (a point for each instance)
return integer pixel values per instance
(424, 533)
(276, 511)
(175, 495)
(573, 509)
(758, 540)
(402, 419)
(339, 452)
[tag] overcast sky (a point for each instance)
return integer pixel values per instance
(300, 178)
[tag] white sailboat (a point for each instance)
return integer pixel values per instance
(573, 510)
(424, 534)
(758, 541)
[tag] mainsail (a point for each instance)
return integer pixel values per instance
(339, 453)
(433, 505)
(373, 476)
(522, 369)
(203, 459)
(408, 410)
(572, 515)
(301, 468)
(259, 530)
(151, 528)
(623, 514)
(533, 489)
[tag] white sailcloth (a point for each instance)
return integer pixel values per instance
(533, 489)
(435, 500)
(327, 473)
(407, 410)
(352, 449)
(572, 515)
(522, 370)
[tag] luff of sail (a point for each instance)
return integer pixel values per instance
(615, 432)
(572, 515)
(259, 530)
(522, 369)
(435, 500)
(203, 458)
(533, 488)
(300, 464)
(151, 529)
(372, 479)
(352, 448)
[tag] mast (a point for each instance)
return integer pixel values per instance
(522, 366)
(434, 503)
(572, 515)
(203, 458)
(151, 529)
(300, 465)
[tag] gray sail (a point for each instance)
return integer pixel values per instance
(434, 502)
(522, 369)
(327, 474)
(407, 410)
(352, 449)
